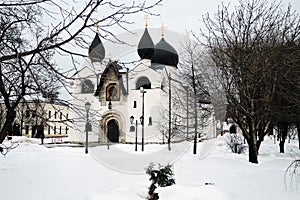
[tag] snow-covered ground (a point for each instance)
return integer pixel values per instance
(37, 172)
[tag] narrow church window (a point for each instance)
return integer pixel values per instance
(134, 104)
(143, 82)
(87, 86)
(49, 114)
(49, 130)
(150, 121)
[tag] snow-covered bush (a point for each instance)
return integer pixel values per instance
(235, 143)
(160, 177)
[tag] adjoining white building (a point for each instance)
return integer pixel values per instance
(116, 98)
(36, 116)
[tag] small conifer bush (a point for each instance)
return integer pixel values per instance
(162, 176)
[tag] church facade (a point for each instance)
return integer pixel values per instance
(129, 103)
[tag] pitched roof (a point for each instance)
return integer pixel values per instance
(116, 68)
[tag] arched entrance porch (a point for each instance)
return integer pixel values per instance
(112, 127)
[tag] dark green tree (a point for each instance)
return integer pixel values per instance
(163, 176)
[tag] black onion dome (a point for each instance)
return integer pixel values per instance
(164, 54)
(96, 50)
(146, 46)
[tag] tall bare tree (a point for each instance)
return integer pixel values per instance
(194, 68)
(243, 44)
(32, 31)
(286, 103)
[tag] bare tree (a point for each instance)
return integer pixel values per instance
(194, 69)
(28, 43)
(286, 103)
(243, 45)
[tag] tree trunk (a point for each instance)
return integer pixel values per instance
(253, 137)
(195, 144)
(10, 117)
(283, 130)
(253, 145)
(253, 153)
(259, 141)
(298, 130)
(281, 146)
(261, 135)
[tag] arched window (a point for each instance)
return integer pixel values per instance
(87, 86)
(143, 82)
(112, 92)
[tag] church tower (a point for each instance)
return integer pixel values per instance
(84, 85)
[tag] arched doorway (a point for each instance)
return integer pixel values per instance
(113, 131)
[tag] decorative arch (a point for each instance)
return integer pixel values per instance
(143, 82)
(112, 120)
(87, 86)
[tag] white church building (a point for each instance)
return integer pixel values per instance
(126, 103)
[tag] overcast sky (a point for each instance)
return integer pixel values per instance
(179, 15)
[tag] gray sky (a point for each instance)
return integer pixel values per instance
(177, 16)
(183, 15)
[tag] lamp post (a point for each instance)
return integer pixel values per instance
(136, 123)
(142, 117)
(87, 108)
(109, 108)
(142, 122)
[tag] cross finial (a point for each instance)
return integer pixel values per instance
(146, 18)
(162, 30)
(97, 28)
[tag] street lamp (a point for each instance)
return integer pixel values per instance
(109, 107)
(142, 123)
(87, 108)
(131, 119)
(143, 114)
(136, 123)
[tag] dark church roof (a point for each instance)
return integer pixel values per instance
(146, 46)
(96, 50)
(164, 54)
(116, 68)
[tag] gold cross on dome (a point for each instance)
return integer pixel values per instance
(97, 28)
(163, 30)
(146, 18)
